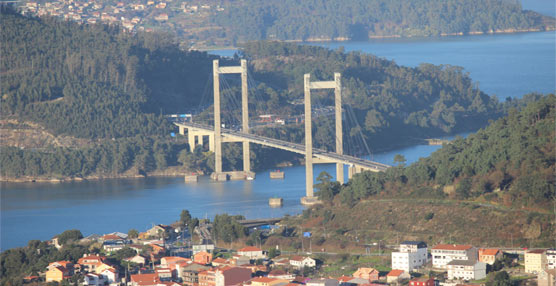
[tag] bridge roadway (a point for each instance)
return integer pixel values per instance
(323, 156)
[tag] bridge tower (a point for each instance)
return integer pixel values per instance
(217, 70)
(336, 84)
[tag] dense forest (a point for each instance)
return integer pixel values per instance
(511, 162)
(113, 88)
(361, 19)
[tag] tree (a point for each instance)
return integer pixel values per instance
(69, 235)
(501, 278)
(185, 217)
(273, 252)
(132, 233)
(326, 190)
(400, 159)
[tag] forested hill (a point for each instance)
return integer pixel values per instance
(361, 19)
(393, 104)
(496, 187)
(511, 162)
(94, 81)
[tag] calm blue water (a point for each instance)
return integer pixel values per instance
(505, 65)
(42, 210)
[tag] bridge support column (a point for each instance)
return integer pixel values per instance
(217, 121)
(339, 132)
(308, 138)
(191, 140)
(245, 117)
(211, 142)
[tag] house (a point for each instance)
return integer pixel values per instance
(252, 252)
(190, 273)
(239, 260)
(110, 275)
(57, 273)
(90, 262)
(171, 263)
(164, 274)
(489, 255)
(160, 230)
(161, 17)
(369, 274)
(207, 278)
(137, 259)
(535, 260)
(551, 259)
(281, 261)
(202, 257)
(442, 254)
(322, 282)
(148, 279)
(220, 262)
(92, 279)
(267, 281)
(546, 277)
(466, 270)
(300, 262)
(281, 274)
(64, 263)
(231, 276)
(397, 275)
(412, 255)
(422, 282)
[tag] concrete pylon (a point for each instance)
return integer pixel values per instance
(217, 121)
(245, 116)
(339, 133)
(308, 137)
(336, 84)
(217, 70)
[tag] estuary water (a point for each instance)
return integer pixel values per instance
(503, 65)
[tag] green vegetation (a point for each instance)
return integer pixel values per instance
(511, 162)
(361, 19)
(227, 228)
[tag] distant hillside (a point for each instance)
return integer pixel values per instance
(499, 181)
(363, 19)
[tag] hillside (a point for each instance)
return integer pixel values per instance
(107, 91)
(360, 19)
(495, 187)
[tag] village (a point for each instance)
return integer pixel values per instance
(131, 15)
(165, 256)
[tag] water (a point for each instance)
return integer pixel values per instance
(505, 65)
(42, 210)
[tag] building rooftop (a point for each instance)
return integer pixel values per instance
(452, 246)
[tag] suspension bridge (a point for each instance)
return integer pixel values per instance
(219, 134)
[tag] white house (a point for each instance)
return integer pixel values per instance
(302, 262)
(110, 275)
(466, 270)
(91, 279)
(137, 259)
(252, 252)
(412, 255)
(442, 254)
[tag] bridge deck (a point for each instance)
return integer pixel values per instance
(292, 147)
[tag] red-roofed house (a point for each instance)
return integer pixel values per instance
(281, 274)
(370, 274)
(56, 273)
(202, 257)
(267, 281)
(149, 279)
(228, 276)
(252, 252)
(90, 263)
(207, 278)
(422, 282)
(396, 275)
(489, 255)
(220, 262)
(442, 254)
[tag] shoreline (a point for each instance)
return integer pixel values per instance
(396, 36)
(171, 172)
